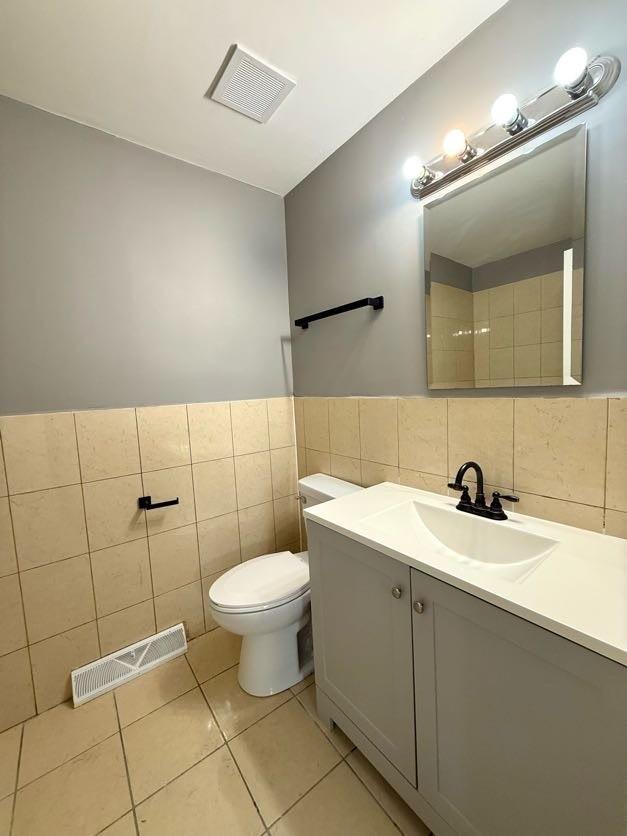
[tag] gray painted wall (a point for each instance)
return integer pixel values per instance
(352, 228)
(128, 277)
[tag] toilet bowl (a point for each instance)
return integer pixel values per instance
(266, 600)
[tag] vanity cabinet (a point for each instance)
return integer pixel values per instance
(494, 725)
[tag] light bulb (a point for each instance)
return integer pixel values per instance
(571, 71)
(505, 112)
(412, 168)
(454, 143)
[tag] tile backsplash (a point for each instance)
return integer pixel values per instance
(83, 572)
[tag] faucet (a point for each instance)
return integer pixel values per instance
(479, 507)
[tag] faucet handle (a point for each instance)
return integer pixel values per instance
(456, 486)
(465, 497)
(496, 499)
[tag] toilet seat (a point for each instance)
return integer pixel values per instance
(262, 583)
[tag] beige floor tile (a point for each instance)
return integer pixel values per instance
(184, 604)
(213, 653)
(6, 812)
(214, 488)
(9, 754)
(112, 513)
(16, 689)
(210, 431)
(281, 422)
(337, 806)
(281, 757)
(284, 481)
(249, 420)
(163, 436)
(235, 710)
(378, 426)
(167, 742)
(153, 689)
(58, 735)
(8, 561)
(82, 796)
(171, 483)
(316, 415)
(257, 532)
(403, 816)
(208, 800)
(107, 443)
(121, 576)
(12, 630)
(174, 558)
(304, 683)
(218, 541)
(253, 479)
(54, 658)
(126, 626)
(307, 699)
(122, 827)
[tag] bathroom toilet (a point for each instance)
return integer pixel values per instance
(266, 601)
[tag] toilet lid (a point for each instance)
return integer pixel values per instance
(262, 583)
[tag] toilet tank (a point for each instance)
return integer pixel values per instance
(321, 488)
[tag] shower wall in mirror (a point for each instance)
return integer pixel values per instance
(504, 272)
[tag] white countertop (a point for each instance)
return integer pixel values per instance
(579, 590)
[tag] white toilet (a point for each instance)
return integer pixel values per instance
(266, 600)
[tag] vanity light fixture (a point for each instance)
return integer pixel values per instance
(506, 113)
(456, 145)
(572, 73)
(416, 172)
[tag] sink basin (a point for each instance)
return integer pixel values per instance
(475, 541)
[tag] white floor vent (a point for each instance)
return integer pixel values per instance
(101, 676)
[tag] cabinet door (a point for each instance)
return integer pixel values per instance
(362, 641)
(519, 731)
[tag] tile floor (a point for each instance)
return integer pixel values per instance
(184, 751)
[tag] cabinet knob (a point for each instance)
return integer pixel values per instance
(397, 591)
(419, 607)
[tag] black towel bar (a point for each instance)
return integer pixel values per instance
(375, 302)
(146, 503)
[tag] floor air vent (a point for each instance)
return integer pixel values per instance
(101, 676)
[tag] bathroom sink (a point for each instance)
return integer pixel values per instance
(484, 544)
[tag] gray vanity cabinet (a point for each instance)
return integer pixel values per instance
(519, 731)
(362, 642)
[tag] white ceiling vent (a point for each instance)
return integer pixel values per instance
(251, 87)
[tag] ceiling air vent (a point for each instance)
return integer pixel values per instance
(250, 86)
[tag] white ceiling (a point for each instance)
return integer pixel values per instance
(140, 69)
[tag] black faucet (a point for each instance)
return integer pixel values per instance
(479, 507)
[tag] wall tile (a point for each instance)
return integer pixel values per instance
(617, 455)
(317, 462)
(423, 481)
(40, 451)
(54, 659)
(373, 473)
(481, 429)
(126, 627)
(527, 361)
(256, 527)
(16, 689)
(3, 477)
(344, 427)
(210, 431)
(317, 424)
(301, 462)
(501, 365)
(481, 304)
(12, 631)
(8, 562)
(527, 328)
(57, 597)
(616, 523)
(560, 448)
(166, 484)
(551, 358)
(552, 325)
(528, 295)
(422, 433)
(378, 422)
(281, 422)
(560, 511)
(501, 300)
(206, 584)
(49, 525)
(286, 523)
(253, 479)
(10, 742)
(218, 541)
(343, 467)
(502, 332)
(299, 421)
(163, 436)
(284, 472)
(184, 604)
(121, 576)
(174, 559)
(214, 488)
(552, 290)
(112, 513)
(107, 443)
(250, 427)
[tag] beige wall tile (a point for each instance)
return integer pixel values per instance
(6, 815)
(174, 558)
(528, 295)
(16, 689)
(213, 653)
(3, 477)
(214, 488)
(527, 360)
(284, 472)
(49, 525)
(481, 429)
(317, 462)
(481, 305)
(617, 454)
(250, 426)
(256, 530)
(206, 584)
(552, 325)
(184, 604)
(501, 300)
(423, 481)
(301, 461)
(299, 421)
(210, 431)
(40, 451)
(560, 448)
(343, 467)
(112, 513)
(560, 511)
(8, 562)
(57, 597)
(551, 360)
(379, 430)
(218, 541)
(126, 626)
(373, 473)
(54, 659)
(121, 576)
(152, 690)
(281, 422)
(162, 485)
(107, 443)
(163, 436)
(422, 432)
(528, 328)
(552, 290)
(10, 742)
(253, 479)
(317, 424)
(616, 523)
(12, 631)
(501, 363)
(286, 523)
(122, 827)
(344, 427)
(502, 332)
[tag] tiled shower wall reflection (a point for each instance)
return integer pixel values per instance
(566, 458)
(83, 572)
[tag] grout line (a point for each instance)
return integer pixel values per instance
(607, 444)
(128, 774)
(15, 785)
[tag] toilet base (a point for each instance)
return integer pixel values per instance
(269, 662)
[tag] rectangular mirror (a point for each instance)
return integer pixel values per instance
(504, 272)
